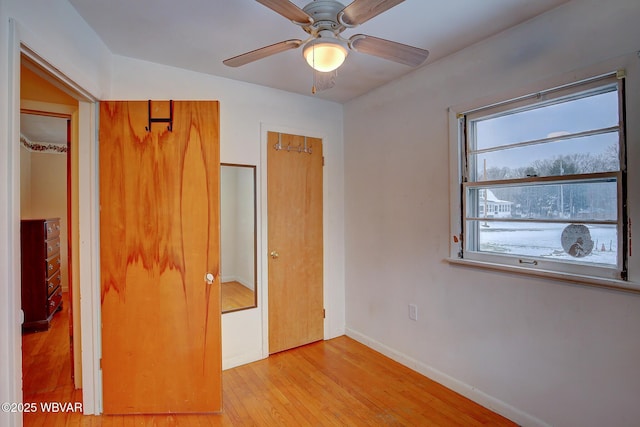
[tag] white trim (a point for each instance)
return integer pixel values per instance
(455, 174)
(579, 279)
(88, 217)
(10, 297)
(551, 93)
(89, 257)
(243, 359)
(467, 390)
(60, 80)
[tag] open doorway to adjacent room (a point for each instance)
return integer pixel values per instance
(48, 205)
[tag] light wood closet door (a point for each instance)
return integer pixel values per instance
(294, 199)
(159, 236)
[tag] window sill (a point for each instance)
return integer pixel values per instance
(621, 285)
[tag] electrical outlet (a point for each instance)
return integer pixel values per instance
(413, 312)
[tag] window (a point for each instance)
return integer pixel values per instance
(543, 181)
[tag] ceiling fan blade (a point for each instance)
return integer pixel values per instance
(393, 51)
(263, 52)
(360, 11)
(288, 10)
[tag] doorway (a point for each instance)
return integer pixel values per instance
(48, 117)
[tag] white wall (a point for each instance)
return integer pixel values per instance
(245, 111)
(245, 228)
(55, 31)
(228, 226)
(540, 351)
(25, 181)
(48, 192)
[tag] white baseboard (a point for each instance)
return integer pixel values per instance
(225, 279)
(243, 281)
(478, 396)
(234, 362)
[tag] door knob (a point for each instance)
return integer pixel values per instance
(209, 278)
(274, 254)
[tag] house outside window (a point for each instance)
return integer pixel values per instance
(544, 180)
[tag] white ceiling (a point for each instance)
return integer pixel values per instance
(199, 34)
(43, 129)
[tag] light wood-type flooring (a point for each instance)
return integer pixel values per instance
(236, 296)
(338, 382)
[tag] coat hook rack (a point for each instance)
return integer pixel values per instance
(299, 149)
(161, 120)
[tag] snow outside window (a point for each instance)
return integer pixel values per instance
(544, 180)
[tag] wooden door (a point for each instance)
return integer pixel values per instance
(159, 236)
(294, 199)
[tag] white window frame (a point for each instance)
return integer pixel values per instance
(537, 266)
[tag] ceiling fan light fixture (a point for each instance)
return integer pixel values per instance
(325, 54)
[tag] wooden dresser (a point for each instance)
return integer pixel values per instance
(41, 283)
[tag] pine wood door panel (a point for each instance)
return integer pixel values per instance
(159, 235)
(294, 198)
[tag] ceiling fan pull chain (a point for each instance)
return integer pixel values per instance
(313, 87)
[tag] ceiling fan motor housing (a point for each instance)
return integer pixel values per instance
(324, 20)
(325, 17)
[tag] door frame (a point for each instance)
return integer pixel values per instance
(263, 249)
(88, 220)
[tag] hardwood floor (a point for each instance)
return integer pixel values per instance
(328, 383)
(236, 296)
(46, 369)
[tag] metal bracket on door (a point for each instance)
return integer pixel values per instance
(161, 120)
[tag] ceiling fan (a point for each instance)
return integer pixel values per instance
(325, 49)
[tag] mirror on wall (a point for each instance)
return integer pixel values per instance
(238, 236)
